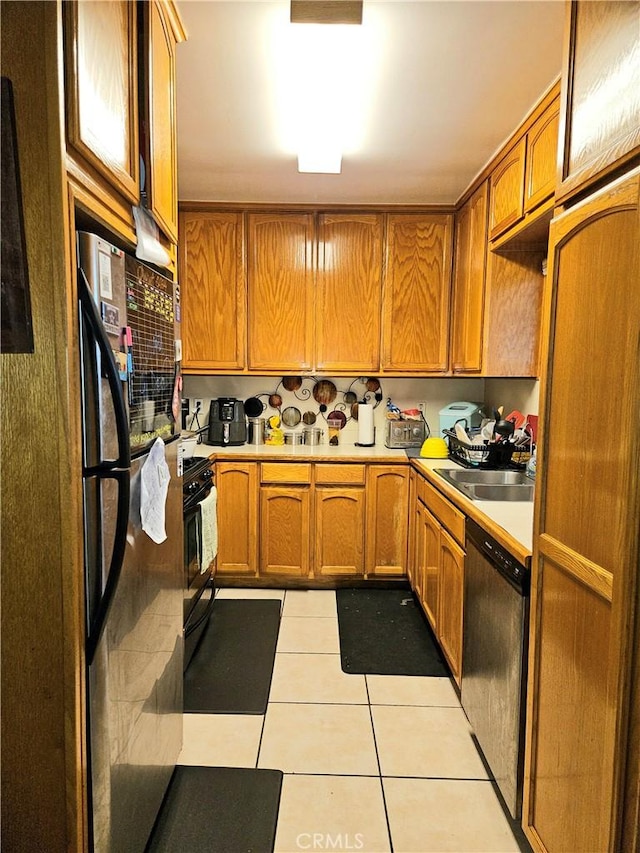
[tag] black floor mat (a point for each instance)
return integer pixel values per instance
(230, 672)
(218, 810)
(384, 632)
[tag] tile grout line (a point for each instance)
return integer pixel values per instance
(375, 746)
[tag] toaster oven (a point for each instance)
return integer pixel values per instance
(404, 433)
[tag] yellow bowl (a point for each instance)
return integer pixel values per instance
(434, 448)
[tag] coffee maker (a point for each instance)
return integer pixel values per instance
(227, 423)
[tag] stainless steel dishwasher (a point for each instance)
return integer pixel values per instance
(494, 658)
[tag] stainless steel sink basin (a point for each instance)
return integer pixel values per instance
(480, 485)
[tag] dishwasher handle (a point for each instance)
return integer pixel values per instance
(515, 572)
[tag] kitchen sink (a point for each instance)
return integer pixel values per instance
(480, 485)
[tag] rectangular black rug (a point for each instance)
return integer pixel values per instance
(218, 810)
(384, 632)
(230, 671)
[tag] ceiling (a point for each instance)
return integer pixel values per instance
(446, 82)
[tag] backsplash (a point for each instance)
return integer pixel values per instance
(433, 393)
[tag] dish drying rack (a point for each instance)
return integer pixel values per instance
(484, 454)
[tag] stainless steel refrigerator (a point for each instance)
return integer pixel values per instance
(134, 599)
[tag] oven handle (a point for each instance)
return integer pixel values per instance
(191, 502)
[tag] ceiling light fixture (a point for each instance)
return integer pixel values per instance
(326, 11)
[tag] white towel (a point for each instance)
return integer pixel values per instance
(209, 529)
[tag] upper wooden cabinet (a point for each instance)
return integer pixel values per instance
(525, 176)
(161, 32)
(279, 291)
(102, 90)
(600, 129)
(212, 291)
(541, 159)
(349, 292)
(507, 182)
(468, 283)
(417, 293)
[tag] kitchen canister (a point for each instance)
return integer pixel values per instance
(312, 437)
(255, 433)
(295, 438)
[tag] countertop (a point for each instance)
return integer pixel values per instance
(509, 522)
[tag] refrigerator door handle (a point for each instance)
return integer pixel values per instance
(94, 630)
(94, 322)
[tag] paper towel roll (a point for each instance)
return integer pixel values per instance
(366, 435)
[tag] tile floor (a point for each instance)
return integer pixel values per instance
(371, 763)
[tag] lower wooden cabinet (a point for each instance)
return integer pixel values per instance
(437, 567)
(387, 520)
(302, 520)
(285, 525)
(237, 485)
(450, 605)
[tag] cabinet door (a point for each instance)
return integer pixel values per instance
(161, 166)
(387, 520)
(349, 292)
(431, 562)
(285, 527)
(212, 291)
(600, 130)
(542, 151)
(280, 281)
(586, 537)
(449, 624)
(102, 89)
(417, 293)
(507, 182)
(339, 531)
(237, 485)
(469, 281)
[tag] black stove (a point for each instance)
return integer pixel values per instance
(197, 473)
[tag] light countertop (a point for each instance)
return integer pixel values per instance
(509, 522)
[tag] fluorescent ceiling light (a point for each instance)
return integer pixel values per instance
(324, 82)
(320, 162)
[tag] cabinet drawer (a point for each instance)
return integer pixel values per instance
(338, 474)
(285, 472)
(444, 511)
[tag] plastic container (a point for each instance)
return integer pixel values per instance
(469, 412)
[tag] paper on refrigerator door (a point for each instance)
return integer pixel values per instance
(154, 485)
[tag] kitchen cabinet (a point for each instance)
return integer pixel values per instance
(514, 291)
(450, 610)
(101, 92)
(469, 283)
(339, 520)
(438, 567)
(387, 520)
(285, 519)
(586, 540)
(525, 176)
(349, 292)
(212, 291)
(161, 32)
(237, 485)
(600, 131)
(417, 290)
(280, 291)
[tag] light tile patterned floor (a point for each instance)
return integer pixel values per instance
(372, 763)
